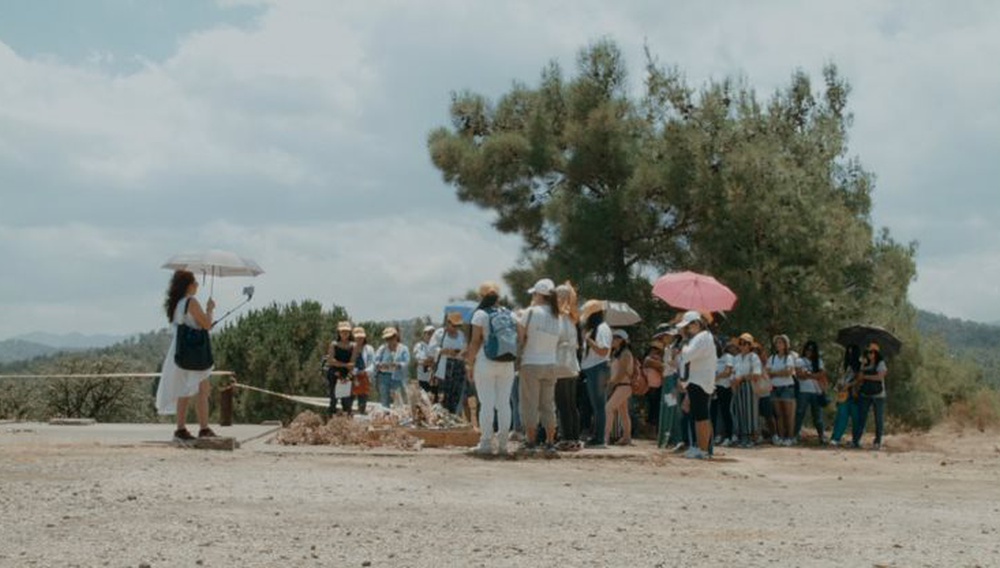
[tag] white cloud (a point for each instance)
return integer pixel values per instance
(299, 140)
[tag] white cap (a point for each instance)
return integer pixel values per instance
(543, 287)
(430, 329)
(689, 318)
(621, 334)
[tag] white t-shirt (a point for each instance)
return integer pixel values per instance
(441, 340)
(725, 362)
(700, 356)
(745, 365)
(809, 385)
(542, 339)
(422, 351)
(778, 364)
(603, 340)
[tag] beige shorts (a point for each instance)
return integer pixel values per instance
(537, 372)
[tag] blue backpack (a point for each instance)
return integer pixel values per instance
(502, 342)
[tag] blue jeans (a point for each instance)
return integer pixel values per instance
(846, 411)
(386, 383)
(809, 401)
(864, 405)
(597, 383)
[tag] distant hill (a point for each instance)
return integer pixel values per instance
(980, 342)
(20, 350)
(142, 352)
(72, 340)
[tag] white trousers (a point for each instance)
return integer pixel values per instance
(494, 382)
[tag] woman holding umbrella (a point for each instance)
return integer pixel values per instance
(597, 337)
(178, 385)
(871, 391)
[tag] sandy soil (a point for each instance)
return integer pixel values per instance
(932, 500)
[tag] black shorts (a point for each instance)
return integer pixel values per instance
(700, 402)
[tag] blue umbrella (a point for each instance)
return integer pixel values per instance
(466, 308)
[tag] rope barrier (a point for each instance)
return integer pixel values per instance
(321, 402)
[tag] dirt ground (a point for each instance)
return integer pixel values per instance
(930, 500)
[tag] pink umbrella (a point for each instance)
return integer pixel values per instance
(692, 291)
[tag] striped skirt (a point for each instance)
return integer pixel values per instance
(745, 412)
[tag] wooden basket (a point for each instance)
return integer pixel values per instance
(445, 437)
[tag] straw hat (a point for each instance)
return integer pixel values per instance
(455, 318)
(782, 337)
(344, 326)
(487, 288)
(360, 333)
(747, 337)
(389, 332)
(590, 308)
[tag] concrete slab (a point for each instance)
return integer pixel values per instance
(20, 433)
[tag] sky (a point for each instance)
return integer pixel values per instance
(294, 132)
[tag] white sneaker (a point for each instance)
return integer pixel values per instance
(726, 443)
(775, 440)
(834, 443)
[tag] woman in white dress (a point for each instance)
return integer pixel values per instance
(178, 385)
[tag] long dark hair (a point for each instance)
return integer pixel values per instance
(488, 301)
(625, 346)
(593, 322)
(814, 358)
(179, 284)
(852, 358)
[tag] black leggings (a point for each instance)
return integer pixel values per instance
(569, 414)
(723, 404)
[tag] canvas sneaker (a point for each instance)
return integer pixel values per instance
(182, 436)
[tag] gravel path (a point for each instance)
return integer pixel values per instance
(92, 505)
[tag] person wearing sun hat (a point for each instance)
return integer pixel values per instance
(701, 360)
(423, 354)
(494, 379)
(448, 348)
(871, 391)
(364, 368)
(597, 339)
(781, 367)
(619, 388)
(538, 333)
(747, 370)
(391, 363)
(339, 362)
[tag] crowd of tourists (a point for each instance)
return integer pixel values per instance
(557, 377)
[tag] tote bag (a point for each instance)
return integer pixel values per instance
(193, 351)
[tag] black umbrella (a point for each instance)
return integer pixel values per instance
(863, 334)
